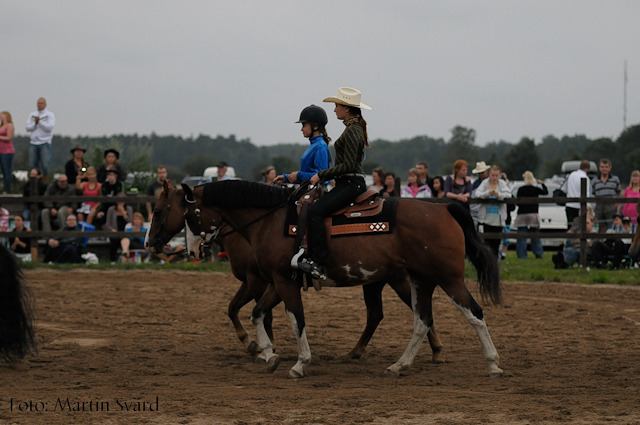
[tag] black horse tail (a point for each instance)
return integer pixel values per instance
(480, 255)
(17, 337)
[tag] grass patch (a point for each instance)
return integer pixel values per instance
(532, 269)
(218, 266)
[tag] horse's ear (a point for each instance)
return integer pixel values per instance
(165, 186)
(188, 193)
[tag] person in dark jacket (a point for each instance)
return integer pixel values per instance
(528, 219)
(58, 210)
(76, 167)
(111, 157)
(65, 249)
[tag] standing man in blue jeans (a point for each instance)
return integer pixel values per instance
(40, 124)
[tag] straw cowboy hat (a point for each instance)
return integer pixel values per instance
(348, 96)
(481, 167)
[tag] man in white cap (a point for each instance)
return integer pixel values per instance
(482, 171)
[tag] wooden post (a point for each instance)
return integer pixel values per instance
(33, 191)
(396, 189)
(583, 222)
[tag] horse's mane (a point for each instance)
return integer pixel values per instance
(243, 194)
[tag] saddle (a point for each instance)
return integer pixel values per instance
(343, 222)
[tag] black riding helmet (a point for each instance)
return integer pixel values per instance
(314, 114)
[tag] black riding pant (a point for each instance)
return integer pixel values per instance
(344, 193)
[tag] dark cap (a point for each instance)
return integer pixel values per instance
(113, 151)
(78, 148)
(617, 215)
(627, 219)
(222, 164)
(112, 170)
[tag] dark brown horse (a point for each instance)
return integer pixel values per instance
(245, 268)
(634, 250)
(429, 241)
(17, 337)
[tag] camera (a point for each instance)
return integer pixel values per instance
(83, 169)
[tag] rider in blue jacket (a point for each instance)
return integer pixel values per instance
(317, 157)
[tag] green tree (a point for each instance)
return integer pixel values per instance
(461, 146)
(629, 149)
(284, 164)
(520, 158)
(196, 164)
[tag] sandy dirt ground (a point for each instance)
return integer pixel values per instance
(111, 343)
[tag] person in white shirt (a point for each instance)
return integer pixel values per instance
(40, 124)
(571, 187)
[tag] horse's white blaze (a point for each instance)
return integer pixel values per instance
(146, 238)
(420, 330)
(366, 274)
(489, 350)
(193, 243)
(263, 339)
(304, 352)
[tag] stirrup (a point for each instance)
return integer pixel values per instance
(314, 269)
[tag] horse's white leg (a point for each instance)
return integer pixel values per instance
(489, 350)
(304, 352)
(271, 358)
(420, 330)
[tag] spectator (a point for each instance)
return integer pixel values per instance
(528, 219)
(26, 192)
(616, 248)
(40, 124)
(482, 171)
(416, 187)
(118, 216)
(63, 249)
(222, 171)
(6, 149)
(378, 179)
(389, 189)
(137, 225)
(155, 188)
(437, 190)
(268, 175)
(632, 191)
(91, 187)
(457, 185)
(76, 166)
(111, 187)
(606, 185)
(21, 246)
(571, 187)
(571, 253)
(111, 157)
(423, 170)
(493, 216)
(58, 211)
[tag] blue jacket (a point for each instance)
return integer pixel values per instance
(314, 159)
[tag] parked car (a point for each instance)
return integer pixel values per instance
(552, 216)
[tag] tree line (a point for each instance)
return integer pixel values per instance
(190, 156)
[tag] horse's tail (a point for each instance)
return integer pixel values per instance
(480, 255)
(17, 337)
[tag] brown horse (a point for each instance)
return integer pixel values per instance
(245, 268)
(634, 249)
(429, 241)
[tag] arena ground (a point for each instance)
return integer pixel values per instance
(114, 342)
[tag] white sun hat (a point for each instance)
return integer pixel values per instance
(481, 167)
(348, 96)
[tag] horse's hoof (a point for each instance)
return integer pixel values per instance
(392, 372)
(260, 358)
(496, 373)
(352, 355)
(437, 358)
(295, 374)
(273, 363)
(252, 348)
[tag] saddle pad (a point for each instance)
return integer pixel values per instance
(345, 226)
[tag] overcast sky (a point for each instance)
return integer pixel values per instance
(508, 68)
